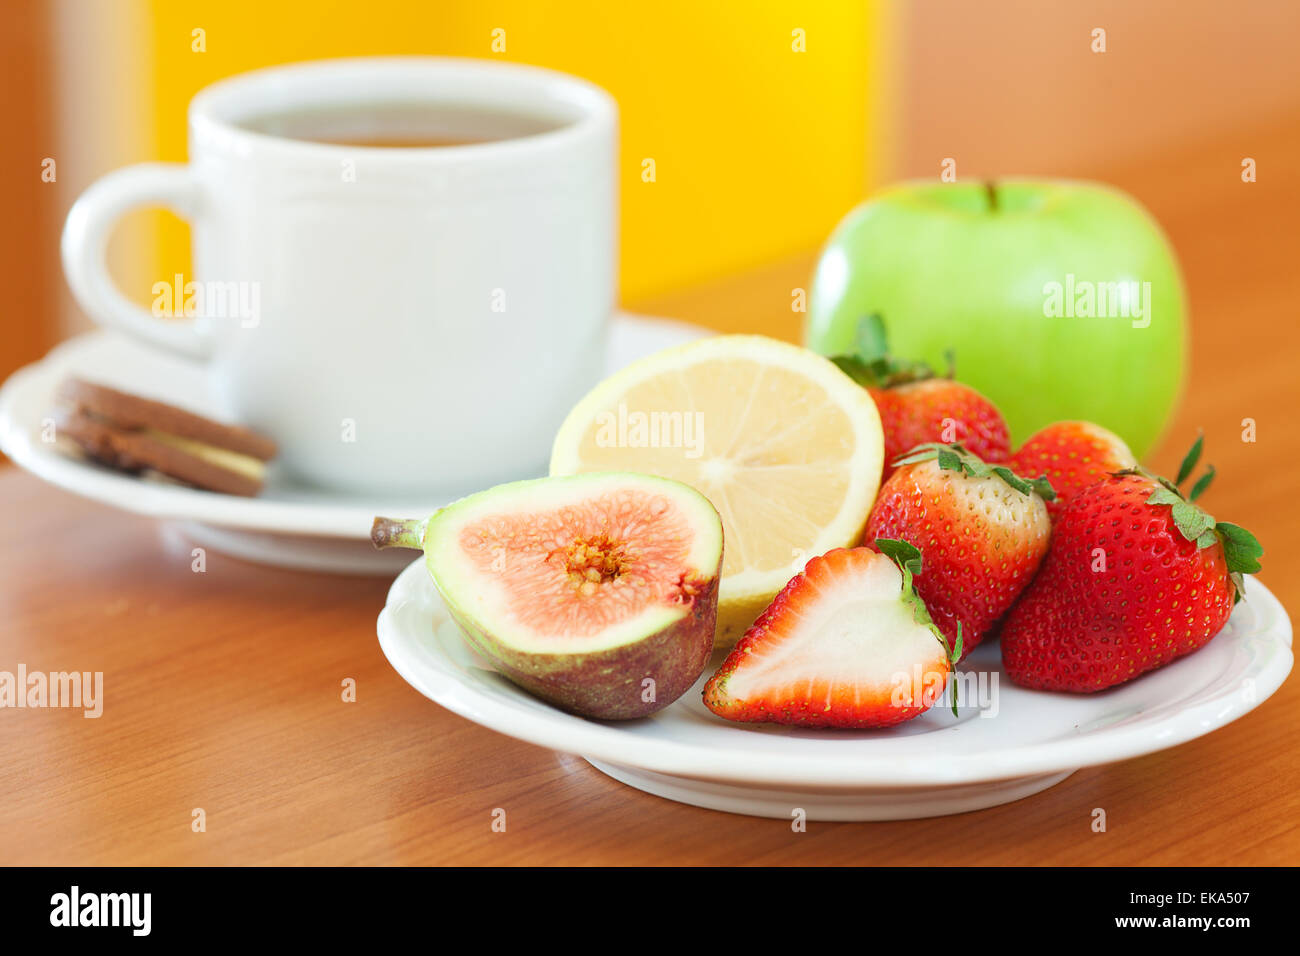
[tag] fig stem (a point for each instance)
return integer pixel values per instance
(397, 533)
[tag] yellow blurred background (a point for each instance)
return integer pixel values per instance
(756, 115)
(767, 119)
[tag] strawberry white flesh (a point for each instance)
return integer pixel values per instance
(854, 636)
(838, 647)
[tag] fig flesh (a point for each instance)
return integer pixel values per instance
(597, 592)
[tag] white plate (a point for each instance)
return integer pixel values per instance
(289, 524)
(934, 765)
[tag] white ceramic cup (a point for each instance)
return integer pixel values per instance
(399, 319)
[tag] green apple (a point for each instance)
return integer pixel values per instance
(1061, 300)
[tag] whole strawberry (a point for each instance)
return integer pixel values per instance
(981, 529)
(1137, 576)
(1072, 456)
(939, 410)
(917, 407)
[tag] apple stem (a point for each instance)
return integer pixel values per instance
(396, 533)
(991, 190)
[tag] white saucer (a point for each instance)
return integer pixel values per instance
(934, 765)
(289, 524)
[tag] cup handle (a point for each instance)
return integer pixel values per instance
(85, 251)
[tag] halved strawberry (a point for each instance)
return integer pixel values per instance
(1072, 456)
(847, 643)
(916, 406)
(982, 529)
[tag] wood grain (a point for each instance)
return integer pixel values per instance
(223, 689)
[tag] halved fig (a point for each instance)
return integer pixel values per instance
(596, 592)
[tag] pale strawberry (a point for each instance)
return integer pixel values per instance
(982, 531)
(847, 643)
(1072, 456)
(1137, 576)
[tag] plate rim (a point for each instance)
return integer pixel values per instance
(567, 733)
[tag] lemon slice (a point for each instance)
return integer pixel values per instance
(786, 446)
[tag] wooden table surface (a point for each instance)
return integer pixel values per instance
(223, 689)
